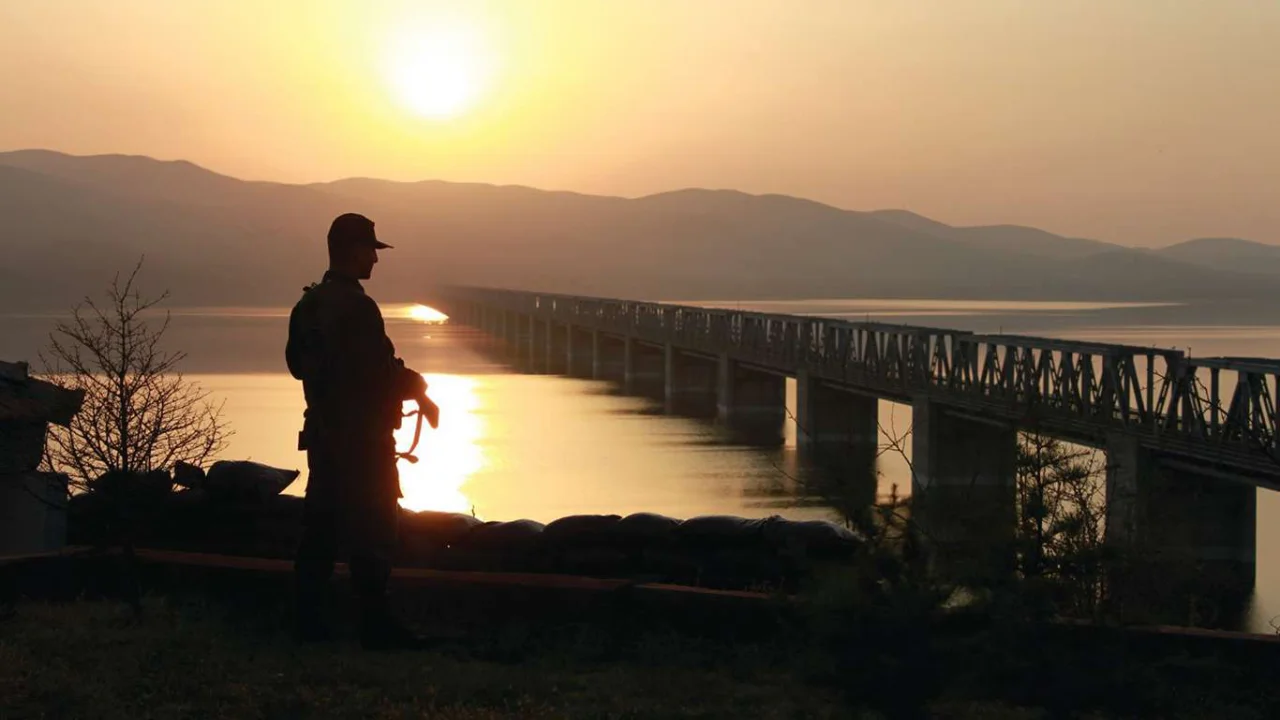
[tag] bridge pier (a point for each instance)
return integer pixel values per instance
(536, 356)
(1185, 539)
(690, 387)
(506, 338)
(557, 359)
(963, 492)
(752, 403)
(838, 431)
(645, 367)
(522, 340)
(580, 352)
(609, 357)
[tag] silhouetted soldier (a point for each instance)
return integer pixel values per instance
(354, 386)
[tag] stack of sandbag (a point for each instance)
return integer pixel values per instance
(710, 551)
(119, 504)
(426, 536)
(513, 546)
(236, 507)
(583, 545)
(723, 551)
(648, 541)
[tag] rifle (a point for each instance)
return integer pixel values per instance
(426, 408)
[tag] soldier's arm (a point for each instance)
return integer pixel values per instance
(300, 348)
(373, 356)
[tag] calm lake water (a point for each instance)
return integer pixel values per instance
(527, 446)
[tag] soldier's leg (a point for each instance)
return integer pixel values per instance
(313, 567)
(373, 540)
(373, 546)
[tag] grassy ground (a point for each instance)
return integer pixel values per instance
(195, 655)
(95, 660)
(187, 660)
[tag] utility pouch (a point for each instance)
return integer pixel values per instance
(305, 433)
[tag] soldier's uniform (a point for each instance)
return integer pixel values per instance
(354, 386)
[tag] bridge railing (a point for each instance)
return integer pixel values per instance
(1089, 389)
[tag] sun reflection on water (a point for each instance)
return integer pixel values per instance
(448, 456)
(424, 314)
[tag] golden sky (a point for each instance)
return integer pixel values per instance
(1136, 121)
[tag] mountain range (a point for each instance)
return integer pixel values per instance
(68, 223)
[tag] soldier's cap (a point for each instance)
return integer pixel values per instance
(354, 229)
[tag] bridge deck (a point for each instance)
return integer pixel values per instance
(1219, 412)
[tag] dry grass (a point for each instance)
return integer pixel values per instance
(86, 660)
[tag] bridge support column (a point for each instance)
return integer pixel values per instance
(610, 357)
(522, 332)
(580, 352)
(504, 343)
(963, 490)
(557, 348)
(1185, 540)
(506, 339)
(644, 370)
(752, 403)
(537, 351)
(838, 432)
(690, 384)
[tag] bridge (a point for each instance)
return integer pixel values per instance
(1185, 438)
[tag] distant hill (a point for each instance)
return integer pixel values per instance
(1002, 238)
(68, 223)
(1227, 254)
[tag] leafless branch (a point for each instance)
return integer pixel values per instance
(139, 412)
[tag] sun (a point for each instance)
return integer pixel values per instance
(438, 69)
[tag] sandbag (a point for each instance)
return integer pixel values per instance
(723, 528)
(812, 535)
(582, 545)
(184, 499)
(643, 526)
(246, 480)
(286, 509)
(443, 528)
(497, 535)
(131, 486)
(188, 476)
(723, 551)
(581, 529)
(647, 539)
(510, 546)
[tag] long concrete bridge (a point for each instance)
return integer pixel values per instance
(1187, 439)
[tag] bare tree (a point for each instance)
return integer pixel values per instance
(139, 414)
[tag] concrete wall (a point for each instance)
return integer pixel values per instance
(33, 515)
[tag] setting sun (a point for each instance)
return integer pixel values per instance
(438, 69)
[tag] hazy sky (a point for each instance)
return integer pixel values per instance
(1136, 121)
